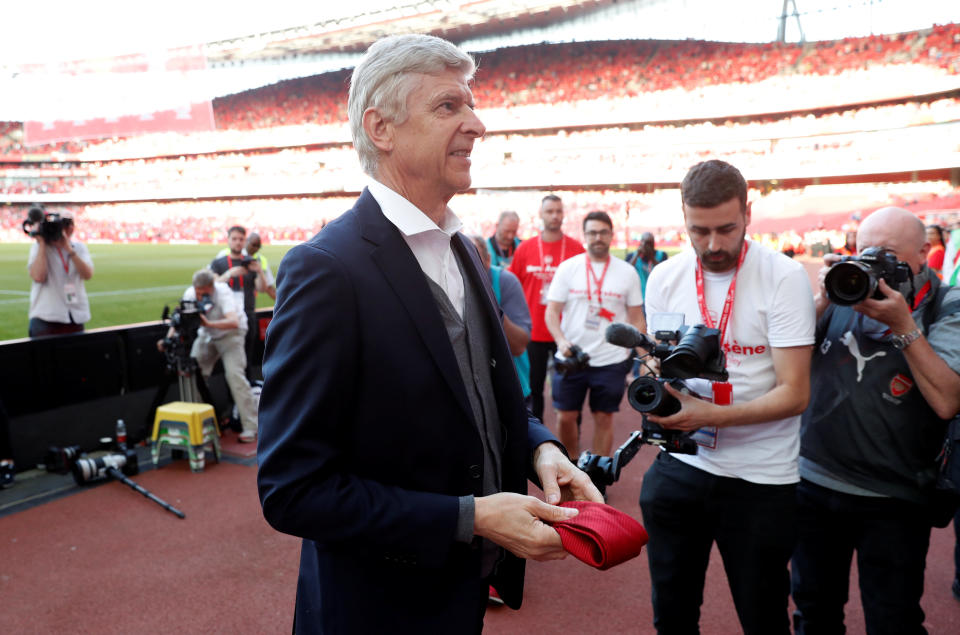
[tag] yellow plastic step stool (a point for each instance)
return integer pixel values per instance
(191, 426)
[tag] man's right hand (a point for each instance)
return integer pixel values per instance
(161, 346)
(821, 300)
(516, 523)
(238, 270)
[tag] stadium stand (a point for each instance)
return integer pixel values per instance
(564, 116)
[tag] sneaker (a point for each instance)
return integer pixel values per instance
(248, 436)
(494, 598)
(6, 475)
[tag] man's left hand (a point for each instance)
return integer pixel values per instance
(892, 310)
(694, 414)
(561, 479)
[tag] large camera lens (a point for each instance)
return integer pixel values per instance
(647, 394)
(849, 282)
(692, 353)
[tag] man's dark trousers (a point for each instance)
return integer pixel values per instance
(540, 353)
(685, 510)
(250, 344)
(891, 538)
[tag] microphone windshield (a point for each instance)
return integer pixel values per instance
(625, 335)
(35, 215)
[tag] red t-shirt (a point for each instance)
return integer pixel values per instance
(935, 258)
(533, 272)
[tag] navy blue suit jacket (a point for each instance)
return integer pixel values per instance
(367, 438)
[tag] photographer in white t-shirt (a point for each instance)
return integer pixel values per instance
(591, 291)
(739, 489)
(58, 268)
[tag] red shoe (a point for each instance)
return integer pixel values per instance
(494, 598)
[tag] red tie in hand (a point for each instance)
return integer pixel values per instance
(600, 535)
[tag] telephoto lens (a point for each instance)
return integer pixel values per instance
(850, 282)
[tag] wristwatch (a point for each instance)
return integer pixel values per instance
(900, 342)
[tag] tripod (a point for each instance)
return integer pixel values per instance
(190, 382)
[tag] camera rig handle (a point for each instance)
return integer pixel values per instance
(626, 452)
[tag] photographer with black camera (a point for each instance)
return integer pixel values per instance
(591, 290)
(739, 489)
(885, 380)
(220, 336)
(58, 267)
(245, 277)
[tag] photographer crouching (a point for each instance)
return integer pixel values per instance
(221, 335)
(58, 267)
(886, 378)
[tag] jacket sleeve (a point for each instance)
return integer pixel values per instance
(308, 481)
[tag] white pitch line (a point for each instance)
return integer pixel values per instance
(99, 294)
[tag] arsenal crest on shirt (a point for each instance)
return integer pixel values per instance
(900, 384)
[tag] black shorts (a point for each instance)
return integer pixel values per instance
(606, 385)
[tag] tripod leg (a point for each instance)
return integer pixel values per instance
(158, 398)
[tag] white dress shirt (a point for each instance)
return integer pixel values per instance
(429, 243)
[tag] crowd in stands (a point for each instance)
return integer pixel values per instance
(641, 111)
(796, 218)
(893, 137)
(635, 80)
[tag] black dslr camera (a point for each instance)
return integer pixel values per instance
(697, 354)
(855, 278)
(185, 321)
(575, 362)
(47, 225)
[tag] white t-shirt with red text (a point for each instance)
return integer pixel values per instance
(621, 289)
(773, 307)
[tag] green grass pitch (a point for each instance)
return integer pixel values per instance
(131, 283)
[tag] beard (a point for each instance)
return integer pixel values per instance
(722, 260)
(599, 251)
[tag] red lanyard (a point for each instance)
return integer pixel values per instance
(563, 251)
(923, 292)
(591, 274)
(230, 266)
(731, 293)
(65, 261)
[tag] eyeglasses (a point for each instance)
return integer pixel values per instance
(603, 233)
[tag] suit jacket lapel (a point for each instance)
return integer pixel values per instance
(400, 267)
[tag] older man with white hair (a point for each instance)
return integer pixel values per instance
(393, 436)
(885, 380)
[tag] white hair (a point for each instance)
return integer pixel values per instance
(203, 278)
(382, 80)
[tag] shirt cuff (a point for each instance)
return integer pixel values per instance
(465, 520)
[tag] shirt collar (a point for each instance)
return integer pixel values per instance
(406, 216)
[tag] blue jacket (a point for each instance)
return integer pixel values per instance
(367, 438)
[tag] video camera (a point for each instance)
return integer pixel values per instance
(185, 322)
(696, 354)
(855, 278)
(47, 225)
